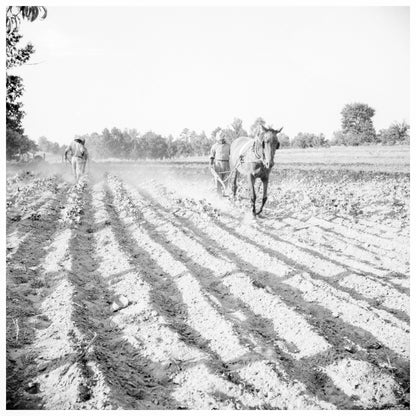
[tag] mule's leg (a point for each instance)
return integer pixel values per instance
(251, 180)
(265, 184)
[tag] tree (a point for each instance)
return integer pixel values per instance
(301, 140)
(304, 140)
(258, 122)
(55, 148)
(121, 143)
(94, 145)
(237, 126)
(172, 148)
(106, 144)
(18, 144)
(183, 143)
(397, 133)
(17, 56)
(201, 144)
(159, 147)
(229, 135)
(284, 140)
(338, 138)
(319, 141)
(356, 121)
(14, 14)
(354, 139)
(44, 144)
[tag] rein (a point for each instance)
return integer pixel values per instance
(253, 148)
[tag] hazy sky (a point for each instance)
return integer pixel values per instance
(167, 68)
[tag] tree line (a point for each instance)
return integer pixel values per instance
(131, 145)
(357, 129)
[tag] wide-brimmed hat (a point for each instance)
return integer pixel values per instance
(219, 136)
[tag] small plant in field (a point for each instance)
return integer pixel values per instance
(341, 193)
(74, 209)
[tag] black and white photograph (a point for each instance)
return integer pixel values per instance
(207, 206)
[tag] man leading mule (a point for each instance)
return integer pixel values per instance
(220, 160)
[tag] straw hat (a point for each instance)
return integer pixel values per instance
(219, 136)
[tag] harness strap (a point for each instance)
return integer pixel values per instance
(246, 147)
(260, 157)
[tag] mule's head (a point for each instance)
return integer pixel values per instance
(270, 143)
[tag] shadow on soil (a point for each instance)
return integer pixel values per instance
(332, 329)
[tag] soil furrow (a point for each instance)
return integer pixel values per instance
(154, 293)
(387, 329)
(382, 292)
(115, 371)
(217, 233)
(26, 287)
(17, 219)
(256, 332)
(370, 289)
(380, 230)
(25, 230)
(381, 244)
(167, 300)
(324, 319)
(65, 381)
(204, 318)
(292, 337)
(338, 249)
(342, 243)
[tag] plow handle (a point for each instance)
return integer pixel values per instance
(216, 176)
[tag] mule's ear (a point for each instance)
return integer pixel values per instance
(264, 128)
(278, 131)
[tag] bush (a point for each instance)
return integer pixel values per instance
(338, 138)
(397, 133)
(304, 140)
(18, 144)
(284, 140)
(355, 139)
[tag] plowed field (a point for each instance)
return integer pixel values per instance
(139, 288)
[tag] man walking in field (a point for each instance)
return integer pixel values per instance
(220, 159)
(79, 157)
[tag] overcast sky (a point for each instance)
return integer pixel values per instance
(169, 68)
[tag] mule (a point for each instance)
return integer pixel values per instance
(254, 158)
